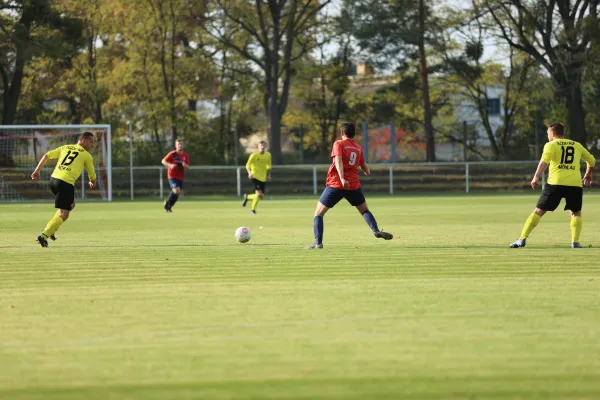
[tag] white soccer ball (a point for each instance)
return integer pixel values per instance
(242, 234)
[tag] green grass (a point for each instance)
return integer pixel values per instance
(133, 303)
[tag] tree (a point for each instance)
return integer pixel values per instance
(31, 28)
(163, 68)
(323, 81)
(559, 35)
(396, 31)
(276, 34)
(461, 45)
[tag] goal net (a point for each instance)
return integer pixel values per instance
(22, 146)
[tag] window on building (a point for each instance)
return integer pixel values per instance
(493, 106)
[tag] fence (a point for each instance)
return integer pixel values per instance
(415, 178)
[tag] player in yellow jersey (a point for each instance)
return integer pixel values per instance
(71, 161)
(564, 157)
(259, 170)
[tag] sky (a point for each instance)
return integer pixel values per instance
(492, 51)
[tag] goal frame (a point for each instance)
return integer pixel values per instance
(108, 149)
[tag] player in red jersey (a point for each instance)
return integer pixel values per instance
(175, 162)
(343, 183)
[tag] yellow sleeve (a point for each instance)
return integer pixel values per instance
(89, 166)
(54, 154)
(547, 153)
(587, 157)
(269, 163)
(251, 160)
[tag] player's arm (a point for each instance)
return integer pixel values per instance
(365, 168)
(249, 164)
(543, 164)
(538, 173)
(89, 166)
(51, 155)
(590, 162)
(362, 164)
(339, 165)
(269, 169)
(185, 164)
(166, 161)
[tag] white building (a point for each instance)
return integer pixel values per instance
(466, 111)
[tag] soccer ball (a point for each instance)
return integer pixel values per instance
(242, 234)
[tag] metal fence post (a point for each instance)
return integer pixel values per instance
(238, 173)
(467, 184)
(543, 180)
(160, 182)
(465, 137)
(314, 179)
(83, 185)
(391, 179)
(365, 140)
(130, 159)
(393, 142)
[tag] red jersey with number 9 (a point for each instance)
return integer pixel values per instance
(352, 158)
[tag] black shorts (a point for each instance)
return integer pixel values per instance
(553, 194)
(259, 185)
(176, 183)
(331, 196)
(64, 194)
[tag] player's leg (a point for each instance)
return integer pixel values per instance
(63, 200)
(574, 198)
(252, 196)
(329, 198)
(176, 191)
(357, 199)
(256, 197)
(259, 194)
(53, 237)
(548, 201)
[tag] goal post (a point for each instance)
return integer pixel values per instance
(22, 146)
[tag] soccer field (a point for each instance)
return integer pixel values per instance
(134, 303)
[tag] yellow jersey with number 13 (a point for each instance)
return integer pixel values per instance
(72, 159)
(564, 157)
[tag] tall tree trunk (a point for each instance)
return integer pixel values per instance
(323, 120)
(570, 91)
(273, 111)
(424, 74)
(274, 129)
(173, 41)
(11, 97)
(229, 143)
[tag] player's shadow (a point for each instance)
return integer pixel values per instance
(408, 246)
(149, 245)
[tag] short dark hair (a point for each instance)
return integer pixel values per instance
(558, 129)
(180, 140)
(348, 129)
(263, 142)
(86, 135)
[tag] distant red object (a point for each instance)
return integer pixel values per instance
(409, 147)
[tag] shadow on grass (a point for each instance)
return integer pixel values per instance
(408, 246)
(147, 245)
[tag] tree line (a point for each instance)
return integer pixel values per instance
(216, 70)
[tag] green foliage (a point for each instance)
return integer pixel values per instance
(200, 69)
(32, 29)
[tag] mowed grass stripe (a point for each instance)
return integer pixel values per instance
(133, 303)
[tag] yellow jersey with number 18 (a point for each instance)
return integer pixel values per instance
(72, 159)
(564, 157)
